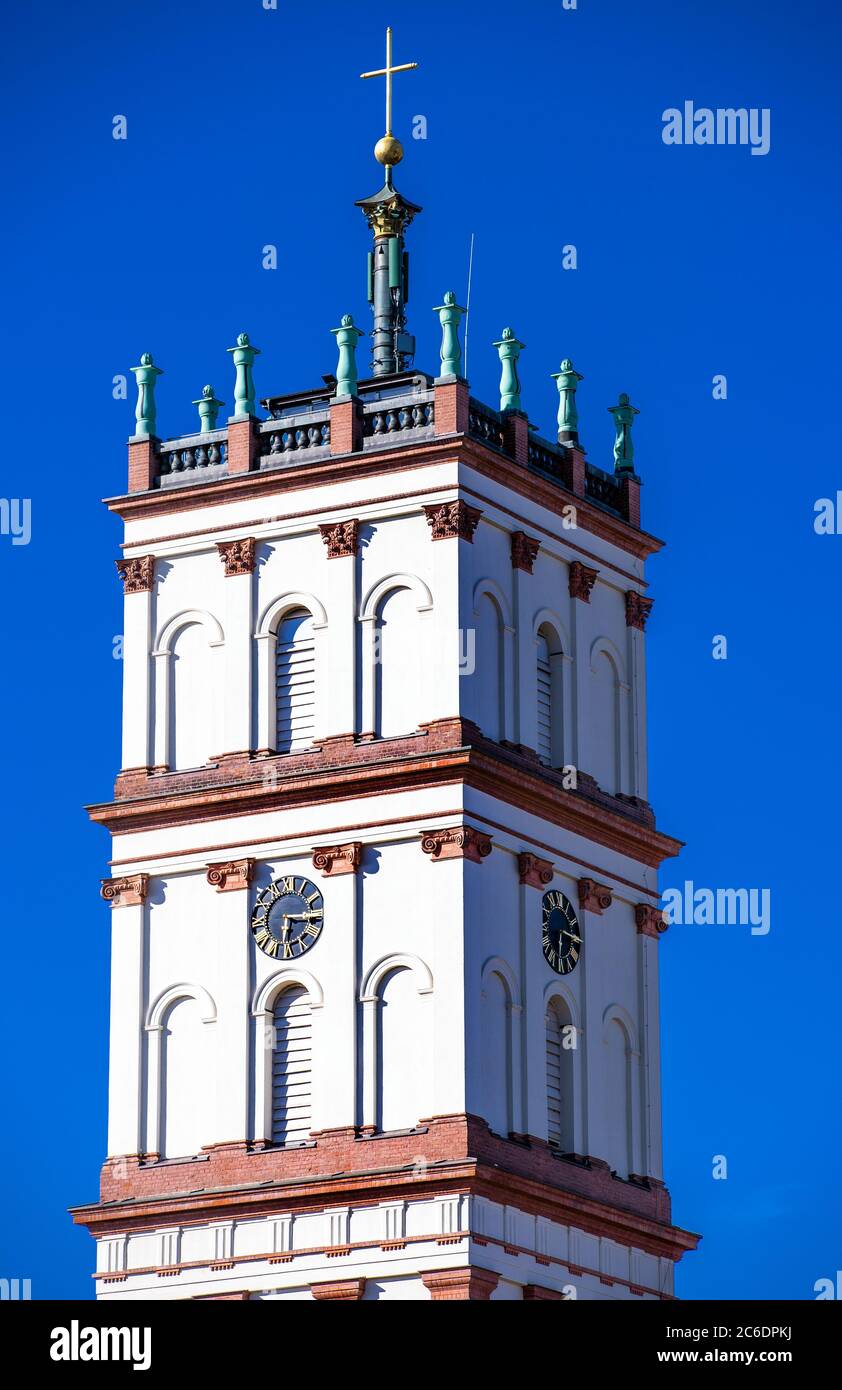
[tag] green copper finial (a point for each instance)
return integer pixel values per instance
(509, 348)
(209, 408)
(244, 355)
(347, 336)
(450, 316)
(567, 380)
(624, 413)
(145, 413)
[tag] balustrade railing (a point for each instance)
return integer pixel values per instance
(194, 454)
(384, 418)
(408, 413)
(603, 488)
(279, 439)
(486, 424)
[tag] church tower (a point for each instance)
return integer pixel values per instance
(384, 906)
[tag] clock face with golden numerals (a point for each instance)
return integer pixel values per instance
(561, 933)
(288, 917)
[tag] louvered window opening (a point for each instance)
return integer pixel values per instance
(295, 673)
(545, 705)
(553, 1082)
(292, 1069)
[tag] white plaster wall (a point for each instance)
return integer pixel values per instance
(503, 923)
(445, 922)
(448, 920)
(189, 587)
(395, 542)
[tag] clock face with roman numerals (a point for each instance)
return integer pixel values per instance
(288, 917)
(561, 933)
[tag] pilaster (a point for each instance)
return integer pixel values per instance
(231, 909)
(238, 557)
(452, 406)
(341, 539)
(125, 1064)
(335, 1100)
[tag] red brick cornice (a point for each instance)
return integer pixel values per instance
(448, 754)
(457, 842)
(456, 448)
(536, 1292)
(452, 520)
(581, 580)
(125, 892)
(231, 876)
(237, 556)
(332, 860)
(341, 538)
(463, 1157)
(524, 550)
(534, 872)
(137, 574)
(595, 897)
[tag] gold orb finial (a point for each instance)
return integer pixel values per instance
(388, 151)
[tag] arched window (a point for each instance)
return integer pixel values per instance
(292, 1067)
(404, 1053)
(559, 1078)
(186, 1078)
(605, 723)
(397, 665)
(488, 678)
(550, 697)
(617, 1091)
(496, 1054)
(192, 696)
(295, 677)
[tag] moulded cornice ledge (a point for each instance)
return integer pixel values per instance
(505, 779)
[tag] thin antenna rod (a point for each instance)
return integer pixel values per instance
(468, 302)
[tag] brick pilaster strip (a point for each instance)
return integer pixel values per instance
(242, 446)
(452, 407)
(346, 427)
(143, 464)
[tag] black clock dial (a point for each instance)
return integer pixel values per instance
(288, 917)
(561, 934)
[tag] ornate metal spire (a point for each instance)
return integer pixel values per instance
(388, 215)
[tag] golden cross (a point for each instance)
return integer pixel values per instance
(387, 72)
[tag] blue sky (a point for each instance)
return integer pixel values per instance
(248, 127)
